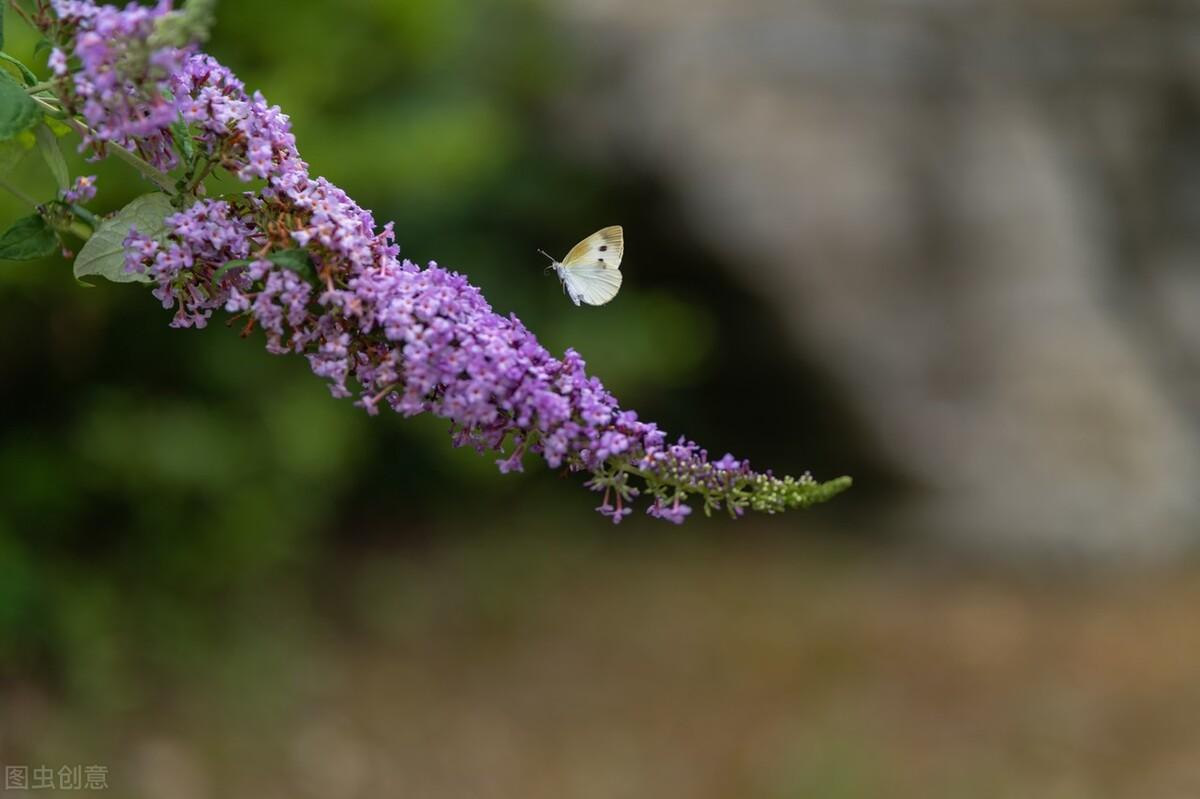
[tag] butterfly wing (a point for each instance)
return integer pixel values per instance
(593, 284)
(604, 247)
(592, 269)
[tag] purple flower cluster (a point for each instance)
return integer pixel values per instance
(240, 131)
(82, 190)
(121, 88)
(303, 262)
(209, 232)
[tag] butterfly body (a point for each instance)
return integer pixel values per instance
(591, 272)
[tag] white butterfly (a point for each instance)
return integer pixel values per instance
(591, 272)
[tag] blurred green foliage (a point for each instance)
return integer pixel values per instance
(155, 484)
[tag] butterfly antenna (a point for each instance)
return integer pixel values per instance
(548, 255)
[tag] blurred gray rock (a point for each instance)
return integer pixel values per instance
(982, 218)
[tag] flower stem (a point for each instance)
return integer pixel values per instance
(80, 230)
(201, 174)
(148, 170)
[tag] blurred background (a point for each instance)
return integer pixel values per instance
(947, 248)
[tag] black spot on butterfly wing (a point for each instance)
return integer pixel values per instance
(603, 248)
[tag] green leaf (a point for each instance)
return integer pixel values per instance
(43, 45)
(26, 74)
(48, 144)
(183, 139)
(296, 260)
(18, 111)
(27, 239)
(104, 253)
(225, 267)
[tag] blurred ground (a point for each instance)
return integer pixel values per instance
(565, 667)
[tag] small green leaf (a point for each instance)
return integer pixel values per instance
(27, 239)
(104, 253)
(18, 111)
(296, 260)
(26, 74)
(183, 140)
(43, 45)
(52, 153)
(225, 267)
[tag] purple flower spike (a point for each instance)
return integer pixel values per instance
(300, 260)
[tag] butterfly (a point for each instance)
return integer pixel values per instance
(591, 272)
